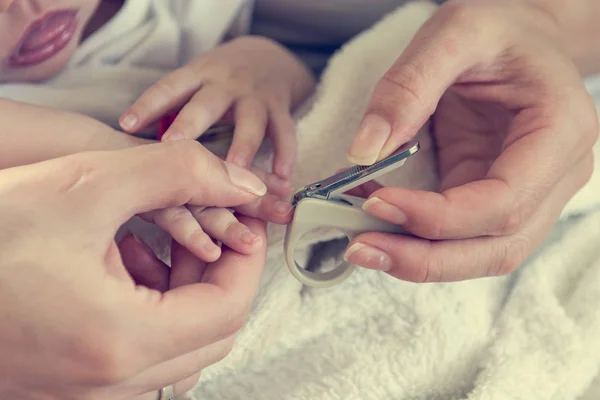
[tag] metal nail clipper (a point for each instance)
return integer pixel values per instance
(323, 204)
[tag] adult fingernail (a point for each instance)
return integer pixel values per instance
(383, 209)
(129, 121)
(245, 179)
(210, 246)
(369, 257)
(281, 207)
(174, 136)
(372, 134)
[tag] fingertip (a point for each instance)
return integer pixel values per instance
(129, 122)
(284, 169)
(209, 256)
(204, 248)
(241, 239)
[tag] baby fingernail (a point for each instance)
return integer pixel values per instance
(281, 207)
(248, 237)
(240, 160)
(382, 208)
(174, 136)
(210, 246)
(368, 257)
(129, 121)
(244, 179)
(370, 138)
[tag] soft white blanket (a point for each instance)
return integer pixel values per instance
(532, 335)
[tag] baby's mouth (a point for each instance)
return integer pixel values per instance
(45, 38)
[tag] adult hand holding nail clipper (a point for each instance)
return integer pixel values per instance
(84, 318)
(514, 128)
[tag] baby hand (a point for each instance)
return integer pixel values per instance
(253, 80)
(197, 229)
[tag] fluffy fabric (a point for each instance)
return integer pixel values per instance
(531, 335)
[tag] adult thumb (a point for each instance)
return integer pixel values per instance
(127, 182)
(408, 93)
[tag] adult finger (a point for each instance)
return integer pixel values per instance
(409, 91)
(143, 179)
(517, 181)
(421, 260)
(204, 109)
(193, 316)
(251, 124)
(171, 91)
(182, 225)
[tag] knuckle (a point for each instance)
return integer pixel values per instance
(431, 269)
(191, 160)
(516, 213)
(174, 215)
(511, 255)
(511, 223)
(408, 78)
(76, 172)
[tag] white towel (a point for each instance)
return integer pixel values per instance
(531, 335)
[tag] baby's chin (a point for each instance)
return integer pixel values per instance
(41, 72)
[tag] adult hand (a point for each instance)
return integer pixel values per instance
(78, 324)
(514, 128)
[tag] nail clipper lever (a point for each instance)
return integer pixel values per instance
(323, 204)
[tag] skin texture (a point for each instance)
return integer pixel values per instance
(514, 127)
(91, 302)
